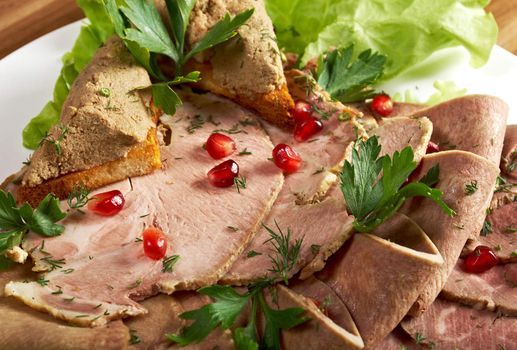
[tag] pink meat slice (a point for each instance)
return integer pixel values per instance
(501, 233)
(451, 326)
(324, 225)
(493, 290)
(105, 279)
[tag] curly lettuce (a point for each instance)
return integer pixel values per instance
(406, 31)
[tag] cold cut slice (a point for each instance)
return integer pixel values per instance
(467, 183)
(113, 270)
(493, 290)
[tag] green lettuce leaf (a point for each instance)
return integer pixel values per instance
(406, 32)
(90, 38)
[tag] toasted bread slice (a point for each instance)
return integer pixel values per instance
(106, 133)
(141, 159)
(248, 68)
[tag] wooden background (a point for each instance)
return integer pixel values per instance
(24, 20)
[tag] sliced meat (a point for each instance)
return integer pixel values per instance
(474, 123)
(493, 290)
(399, 132)
(500, 233)
(397, 340)
(452, 326)
(379, 276)
(509, 155)
(467, 183)
(113, 271)
(47, 332)
(163, 318)
(320, 331)
(324, 225)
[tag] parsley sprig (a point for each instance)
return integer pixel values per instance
(139, 24)
(373, 200)
(229, 304)
(349, 80)
(16, 221)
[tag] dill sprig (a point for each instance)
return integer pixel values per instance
(78, 198)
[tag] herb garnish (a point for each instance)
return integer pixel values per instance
(78, 198)
(245, 152)
(239, 182)
(104, 92)
(139, 25)
(196, 123)
(134, 339)
(16, 222)
(350, 81)
(252, 253)
(315, 249)
(169, 262)
(373, 201)
(229, 304)
(56, 141)
(53, 263)
(42, 281)
(471, 188)
(487, 228)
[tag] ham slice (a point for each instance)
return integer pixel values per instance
(399, 132)
(324, 225)
(502, 236)
(451, 326)
(47, 332)
(493, 290)
(457, 170)
(379, 276)
(102, 282)
(509, 155)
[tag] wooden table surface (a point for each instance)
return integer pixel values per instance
(24, 20)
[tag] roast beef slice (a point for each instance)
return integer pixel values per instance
(380, 276)
(457, 171)
(25, 328)
(208, 227)
(494, 290)
(473, 123)
(449, 325)
(499, 233)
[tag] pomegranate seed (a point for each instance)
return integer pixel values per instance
(223, 175)
(432, 148)
(302, 111)
(480, 260)
(220, 146)
(382, 104)
(286, 158)
(307, 129)
(107, 203)
(155, 244)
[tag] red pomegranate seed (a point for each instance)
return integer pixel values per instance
(480, 260)
(107, 203)
(302, 111)
(382, 104)
(223, 175)
(432, 148)
(220, 146)
(286, 158)
(307, 129)
(155, 243)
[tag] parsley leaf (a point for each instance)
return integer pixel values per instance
(15, 221)
(277, 320)
(228, 305)
(347, 80)
(372, 200)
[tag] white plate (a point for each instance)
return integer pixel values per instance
(27, 79)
